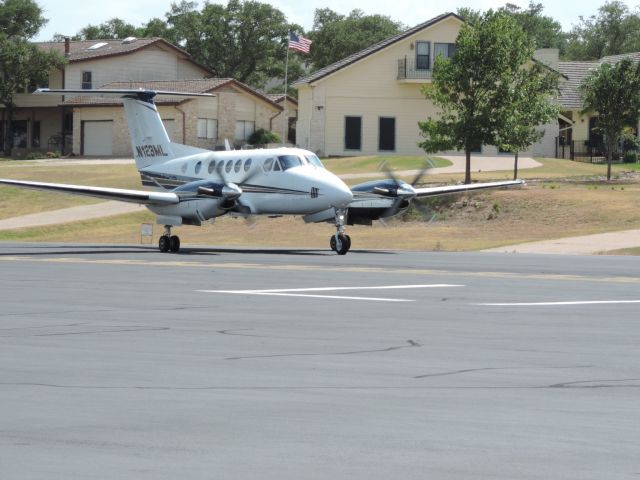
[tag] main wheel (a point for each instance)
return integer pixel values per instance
(343, 242)
(332, 242)
(174, 244)
(164, 243)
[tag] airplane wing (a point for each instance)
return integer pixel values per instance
(141, 197)
(432, 191)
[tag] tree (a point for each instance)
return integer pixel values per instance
(336, 36)
(613, 92)
(245, 40)
(475, 89)
(545, 32)
(615, 30)
(528, 107)
(21, 62)
(114, 28)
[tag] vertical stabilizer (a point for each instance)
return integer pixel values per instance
(149, 139)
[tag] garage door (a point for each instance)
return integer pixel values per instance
(98, 138)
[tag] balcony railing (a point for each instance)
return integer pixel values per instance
(407, 70)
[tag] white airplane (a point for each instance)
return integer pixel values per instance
(190, 185)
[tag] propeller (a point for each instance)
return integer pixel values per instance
(404, 193)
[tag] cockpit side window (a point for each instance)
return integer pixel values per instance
(314, 160)
(276, 165)
(268, 164)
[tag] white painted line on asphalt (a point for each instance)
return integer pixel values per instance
(551, 304)
(296, 292)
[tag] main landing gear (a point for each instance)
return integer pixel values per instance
(168, 242)
(340, 242)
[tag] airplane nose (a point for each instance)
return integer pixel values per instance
(341, 195)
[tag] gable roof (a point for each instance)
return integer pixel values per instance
(575, 72)
(356, 57)
(201, 85)
(279, 97)
(80, 50)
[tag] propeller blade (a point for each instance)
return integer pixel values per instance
(428, 165)
(385, 168)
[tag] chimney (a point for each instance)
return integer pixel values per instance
(549, 56)
(67, 47)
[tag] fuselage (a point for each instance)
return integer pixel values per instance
(282, 181)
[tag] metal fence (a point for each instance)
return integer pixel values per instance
(580, 151)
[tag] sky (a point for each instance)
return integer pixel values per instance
(67, 17)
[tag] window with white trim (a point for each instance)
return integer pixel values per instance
(244, 129)
(207, 128)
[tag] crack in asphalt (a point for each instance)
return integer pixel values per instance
(457, 372)
(410, 344)
(114, 329)
(583, 384)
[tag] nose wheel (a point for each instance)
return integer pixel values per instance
(340, 242)
(168, 242)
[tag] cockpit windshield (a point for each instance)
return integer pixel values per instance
(289, 161)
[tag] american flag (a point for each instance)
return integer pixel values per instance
(299, 43)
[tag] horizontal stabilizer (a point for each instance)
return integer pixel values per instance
(119, 92)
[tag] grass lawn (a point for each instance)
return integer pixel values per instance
(549, 207)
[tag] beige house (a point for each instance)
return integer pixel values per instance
(91, 126)
(576, 136)
(370, 103)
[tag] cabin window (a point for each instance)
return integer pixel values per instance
(237, 166)
(207, 128)
(229, 166)
(212, 166)
(352, 133)
(244, 129)
(423, 55)
(247, 164)
(444, 49)
(220, 167)
(386, 134)
(198, 167)
(268, 164)
(86, 81)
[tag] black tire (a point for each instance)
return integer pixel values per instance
(342, 244)
(348, 242)
(164, 243)
(332, 242)
(174, 244)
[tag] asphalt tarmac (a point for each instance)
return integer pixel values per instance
(122, 362)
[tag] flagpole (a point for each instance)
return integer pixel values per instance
(284, 101)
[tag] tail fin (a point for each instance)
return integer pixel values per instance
(149, 139)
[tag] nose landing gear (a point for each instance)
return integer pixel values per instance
(340, 242)
(168, 242)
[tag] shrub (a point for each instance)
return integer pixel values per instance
(630, 156)
(262, 137)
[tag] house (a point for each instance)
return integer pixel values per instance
(94, 127)
(291, 109)
(577, 137)
(233, 113)
(370, 103)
